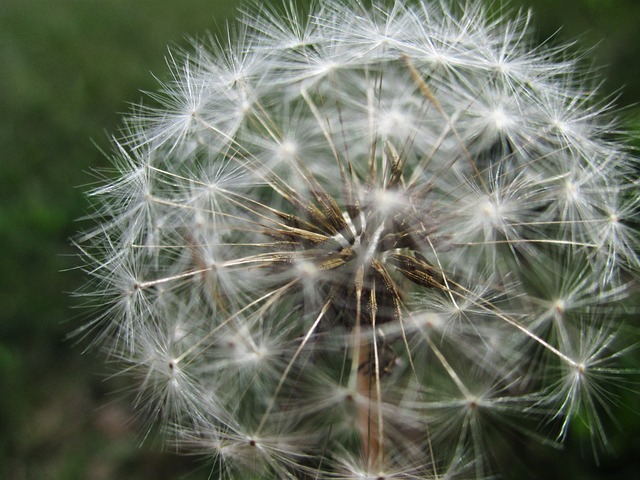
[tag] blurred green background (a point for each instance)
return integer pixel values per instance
(68, 68)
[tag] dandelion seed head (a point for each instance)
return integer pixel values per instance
(365, 241)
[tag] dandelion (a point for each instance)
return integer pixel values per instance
(364, 242)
